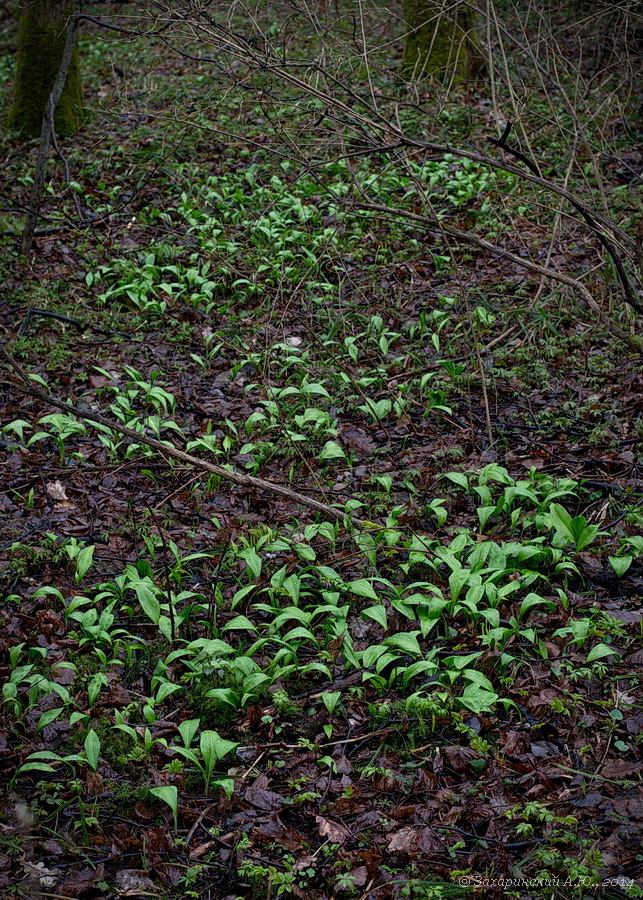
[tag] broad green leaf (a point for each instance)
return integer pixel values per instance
(406, 641)
(476, 677)
(477, 699)
(457, 478)
(461, 662)
(241, 593)
(168, 794)
(586, 534)
(362, 588)
(252, 682)
(92, 749)
(637, 542)
(331, 699)
(620, 564)
(253, 560)
(371, 655)
(35, 767)
(378, 614)
(214, 748)
(385, 660)
(292, 586)
(83, 563)
(532, 600)
(165, 627)
(599, 651)
(166, 688)
(562, 521)
(332, 450)
(239, 623)
(226, 785)
(484, 514)
(495, 472)
(292, 612)
(300, 634)
(148, 601)
(225, 695)
(457, 580)
(315, 389)
(305, 552)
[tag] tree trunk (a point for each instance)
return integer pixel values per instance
(41, 40)
(440, 44)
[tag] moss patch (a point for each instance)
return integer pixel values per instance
(41, 41)
(439, 45)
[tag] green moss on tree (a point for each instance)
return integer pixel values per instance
(440, 44)
(41, 39)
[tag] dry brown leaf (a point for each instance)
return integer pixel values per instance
(336, 832)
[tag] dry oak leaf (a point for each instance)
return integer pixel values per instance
(334, 831)
(263, 799)
(56, 490)
(134, 883)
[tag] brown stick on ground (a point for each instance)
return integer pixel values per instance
(232, 476)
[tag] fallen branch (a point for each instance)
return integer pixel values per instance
(633, 341)
(585, 213)
(232, 476)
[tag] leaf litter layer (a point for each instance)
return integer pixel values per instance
(210, 691)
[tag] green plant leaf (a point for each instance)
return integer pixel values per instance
(532, 600)
(225, 695)
(214, 748)
(457, 478)
(332, 450)
(362, 588)
(83, 563)
(406, 641)
(457, 580)
(620, 564)
(226, 785)
(562, 522)
(239, 623)
(47, 717)
(148, 600)
(599, 651)
(331, 699)
(92, 749)
(477, 699)
(168, 794)
(378, 614)
(253, 560)
(484, 514)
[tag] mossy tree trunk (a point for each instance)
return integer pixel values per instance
(440, 41)
(41, 40)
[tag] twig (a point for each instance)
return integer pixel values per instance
(585, 213)
(631, 340)
(36, 312)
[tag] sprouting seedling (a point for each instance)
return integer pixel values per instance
(63, 427)
(212, 749)
(575, 531)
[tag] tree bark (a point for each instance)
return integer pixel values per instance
(48, 128)
(440, 43)
(41, 43)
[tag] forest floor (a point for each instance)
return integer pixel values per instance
(212, 691)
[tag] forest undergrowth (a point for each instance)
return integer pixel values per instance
(212, 691)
